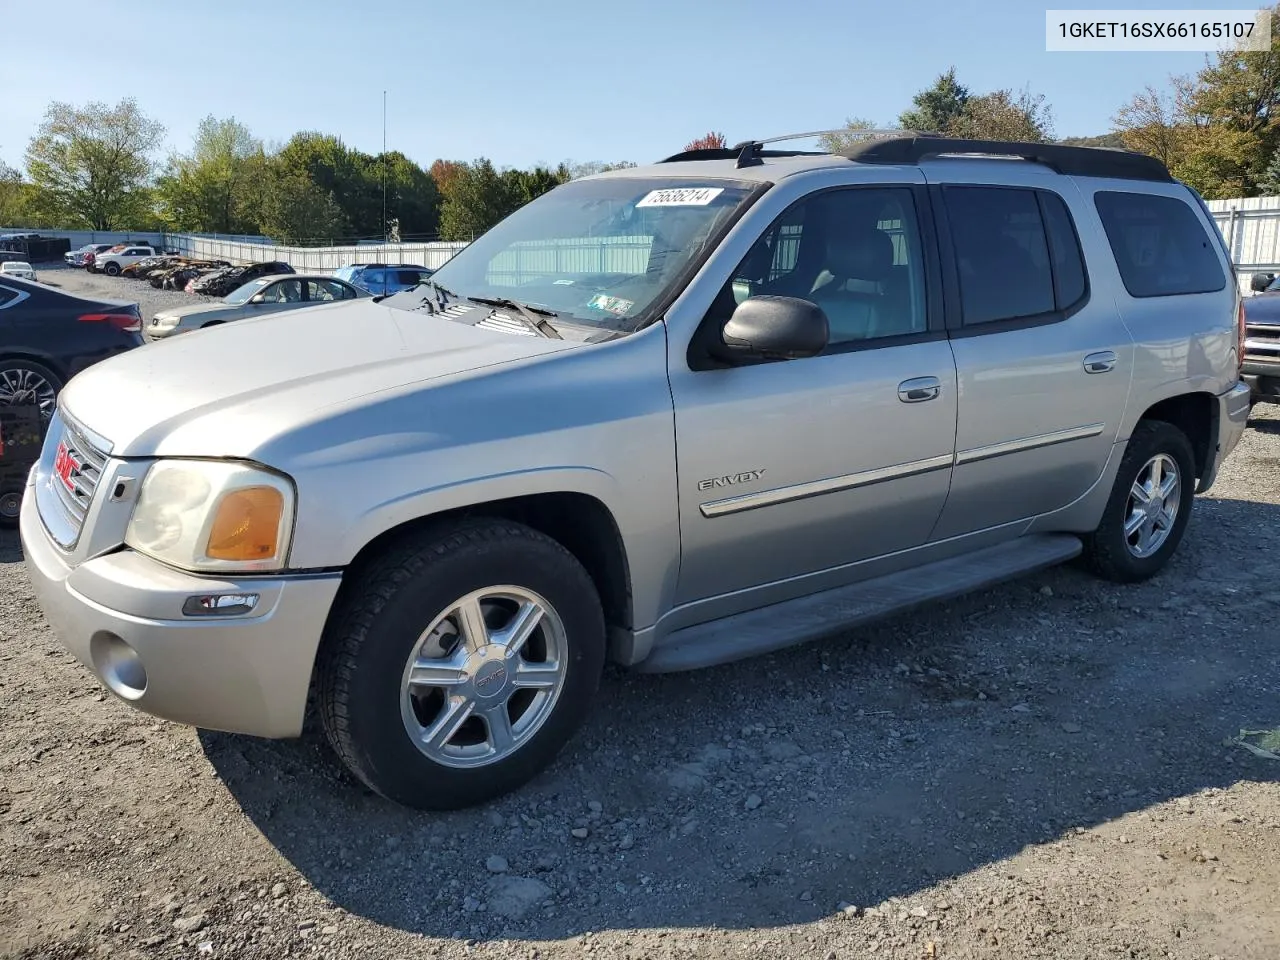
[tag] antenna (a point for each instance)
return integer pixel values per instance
(384, 166)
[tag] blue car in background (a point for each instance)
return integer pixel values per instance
(384, 278)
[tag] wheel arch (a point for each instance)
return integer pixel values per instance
(36, 356)
(1195, 414)
(580, 522)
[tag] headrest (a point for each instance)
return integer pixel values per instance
(865, 254)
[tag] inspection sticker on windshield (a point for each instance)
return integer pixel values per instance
(681, 197)
(615, 305)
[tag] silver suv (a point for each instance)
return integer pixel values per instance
(673, 415)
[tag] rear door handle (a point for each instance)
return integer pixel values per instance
(1103, 361)
(919, 389)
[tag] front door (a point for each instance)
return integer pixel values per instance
(795, 467)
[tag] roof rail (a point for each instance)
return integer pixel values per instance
(749, 154)
(1069, 160)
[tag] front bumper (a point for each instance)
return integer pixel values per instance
(120, 614)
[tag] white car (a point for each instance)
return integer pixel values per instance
(16, 268)
(112, 263)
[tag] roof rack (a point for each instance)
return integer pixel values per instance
(1069, 160)
(749, 154)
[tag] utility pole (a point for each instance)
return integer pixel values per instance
(384, 166)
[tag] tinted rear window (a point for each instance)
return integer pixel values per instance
(1160, 246)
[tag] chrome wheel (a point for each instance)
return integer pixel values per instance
(484, 677)
(1152, 507)
(22, 386)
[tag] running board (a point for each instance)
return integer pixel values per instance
(782, 625)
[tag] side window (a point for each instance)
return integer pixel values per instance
(1002, 254)
(285, 291)
(373, 279)
(1069, 278)
(1160, 246)
(856, 253)
(325, 290)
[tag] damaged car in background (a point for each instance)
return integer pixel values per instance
(224, 281)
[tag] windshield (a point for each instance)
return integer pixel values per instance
(595, 252)
(242, 294)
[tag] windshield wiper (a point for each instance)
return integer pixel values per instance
(529, 314)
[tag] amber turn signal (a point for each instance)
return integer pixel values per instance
(246, 525)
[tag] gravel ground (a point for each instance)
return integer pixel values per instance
(1044, 770)
(86, 284)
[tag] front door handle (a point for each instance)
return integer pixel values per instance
(919, 389)
(1104, 361)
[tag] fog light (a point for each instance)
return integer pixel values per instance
(220, 605)
(118, 665)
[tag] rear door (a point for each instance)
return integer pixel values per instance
(1044, 360)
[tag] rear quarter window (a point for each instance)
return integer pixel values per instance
(1161, 247)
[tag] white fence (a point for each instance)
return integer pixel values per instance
(311, 259)
(1251, 227)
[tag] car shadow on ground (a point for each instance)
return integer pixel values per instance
(870, 765)
(1263, 425)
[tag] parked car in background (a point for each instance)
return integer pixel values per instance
(1261, 368)
(381, 279)
(16, 268)
(78, 258)
(48, 336)
(257, 298)
(113, 261)
(219, 283)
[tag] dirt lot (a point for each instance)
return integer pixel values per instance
(85, 284)
(1044, 770)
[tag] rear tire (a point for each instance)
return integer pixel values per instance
(1137, 536)
(10, 505)
(420, 695)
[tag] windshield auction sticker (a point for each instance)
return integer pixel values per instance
(681, 197)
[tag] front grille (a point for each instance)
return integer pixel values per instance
(71, 478)
(1262, 342)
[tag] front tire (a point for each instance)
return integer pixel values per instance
(458, 665)
(112, 269)
(1149, 508)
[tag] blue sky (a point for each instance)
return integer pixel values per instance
(523, 82)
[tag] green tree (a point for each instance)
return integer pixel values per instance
(212, 188)
(295, 209)
(91, 165)
(17, 207)
(1004, 115)
(476, 198)
(854, 132)
(936, 108)
(413, 199)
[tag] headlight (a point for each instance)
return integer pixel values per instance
(160, 320)
(209, 515)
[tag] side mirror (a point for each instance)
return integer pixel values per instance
(775, 328)
(257, 298)
(1260, 281)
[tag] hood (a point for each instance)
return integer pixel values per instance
(228, 390)
(1262, 308)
